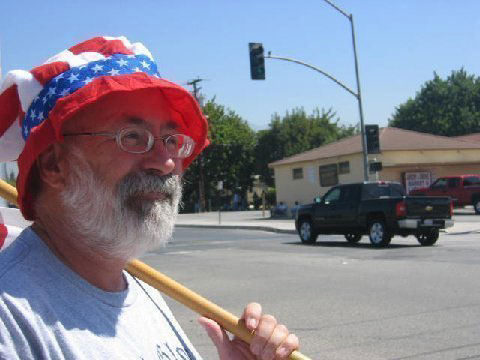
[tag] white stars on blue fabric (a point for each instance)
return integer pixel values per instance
(97, 68)
(75, 78)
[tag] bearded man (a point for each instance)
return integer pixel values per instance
(101, 142)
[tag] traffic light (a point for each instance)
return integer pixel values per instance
(257, 61)
(373, 139)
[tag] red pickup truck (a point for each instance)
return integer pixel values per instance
(463, 189)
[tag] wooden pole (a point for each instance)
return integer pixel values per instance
(175, 290)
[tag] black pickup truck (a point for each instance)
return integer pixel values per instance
(377, 209)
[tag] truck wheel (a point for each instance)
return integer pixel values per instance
(353, 238)
(476, 206)
(307, 234)
(378, 233)
(428, 238)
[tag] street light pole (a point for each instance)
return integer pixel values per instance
(359, 93)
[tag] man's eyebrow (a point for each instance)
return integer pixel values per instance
(135, 121)
(169, 125)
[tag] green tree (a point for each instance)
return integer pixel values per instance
(294, 133)
(229, 158)
(449, 107)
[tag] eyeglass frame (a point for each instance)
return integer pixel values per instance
(151, 140)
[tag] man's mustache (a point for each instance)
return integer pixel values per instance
(149, 182)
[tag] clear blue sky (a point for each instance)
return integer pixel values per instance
(400, 44)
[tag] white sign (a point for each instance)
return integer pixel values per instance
(417, 180)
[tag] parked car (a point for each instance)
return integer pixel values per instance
(377, 209)
(463, 189)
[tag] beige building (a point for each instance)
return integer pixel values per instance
(411, 158)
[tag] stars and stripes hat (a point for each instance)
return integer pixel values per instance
(35, 104)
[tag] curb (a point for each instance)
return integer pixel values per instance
(463, 232)
(240, 227)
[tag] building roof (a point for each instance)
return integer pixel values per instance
(390, 139)
(472, 137)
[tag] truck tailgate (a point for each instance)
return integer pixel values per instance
(428, 207)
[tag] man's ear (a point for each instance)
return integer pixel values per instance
(52, 167)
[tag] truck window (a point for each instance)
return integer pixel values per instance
(333, 196)
(375, 191)
(397, 190)
(453, 182)
(471, 181)
(349, 194)
(440, 183)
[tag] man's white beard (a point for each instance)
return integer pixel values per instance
(114, 221)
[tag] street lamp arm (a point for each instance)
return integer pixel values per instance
(338, 9)
(316, 69)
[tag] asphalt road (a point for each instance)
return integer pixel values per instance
(343, 301)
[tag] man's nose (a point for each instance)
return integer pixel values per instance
(160, 159)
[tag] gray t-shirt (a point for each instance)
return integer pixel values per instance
(47, 311)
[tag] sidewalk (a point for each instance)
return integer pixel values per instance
(237, 219)
(257, 221)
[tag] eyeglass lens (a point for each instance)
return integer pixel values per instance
(141, 140)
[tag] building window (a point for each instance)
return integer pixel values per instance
(344, 167)
(297, 173)
(328, 175)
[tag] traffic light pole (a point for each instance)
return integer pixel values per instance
(359, 93)
(270, 56)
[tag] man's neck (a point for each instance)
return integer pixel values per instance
(97, 268)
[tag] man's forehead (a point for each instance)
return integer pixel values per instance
(122, 109)
(113, 119)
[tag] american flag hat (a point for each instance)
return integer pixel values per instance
(34, 104)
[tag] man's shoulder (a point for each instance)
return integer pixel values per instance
(17, 261)
(12, 256)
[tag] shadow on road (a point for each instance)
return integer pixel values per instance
(360, 246)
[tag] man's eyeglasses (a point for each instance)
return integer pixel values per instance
(139, 141)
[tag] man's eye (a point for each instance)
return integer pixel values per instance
(132, 135)
(172, 141)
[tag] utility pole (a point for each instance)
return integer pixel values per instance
(201, 174)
